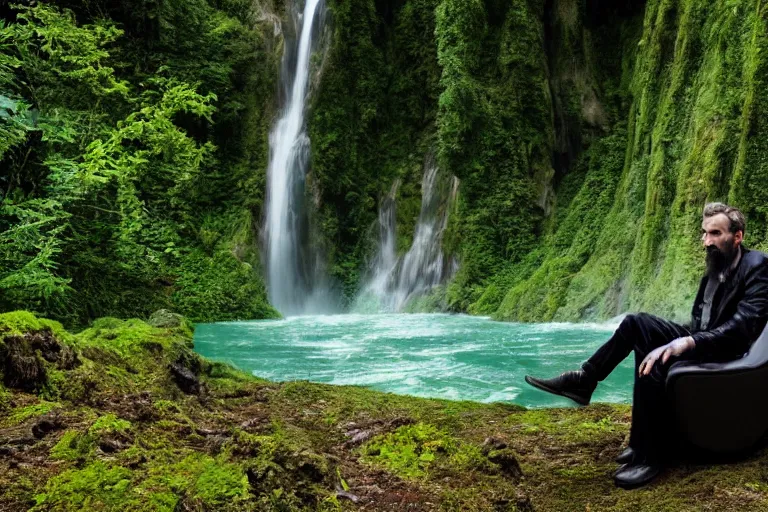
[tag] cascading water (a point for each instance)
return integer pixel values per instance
(386, 257)
(294, 272)
(394, 281)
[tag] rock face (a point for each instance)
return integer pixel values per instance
(166, 319)
(684, 131)
(47, 424)
(185, 379)
(507, 461)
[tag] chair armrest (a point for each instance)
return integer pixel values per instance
(757, 357)
(687, 368)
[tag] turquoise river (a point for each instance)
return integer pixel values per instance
(456, 357)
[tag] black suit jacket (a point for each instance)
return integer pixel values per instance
(739, 316)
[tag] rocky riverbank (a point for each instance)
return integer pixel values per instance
(126, 416)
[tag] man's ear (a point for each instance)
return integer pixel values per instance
(738, 237)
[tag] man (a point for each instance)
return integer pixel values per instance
(729, 313)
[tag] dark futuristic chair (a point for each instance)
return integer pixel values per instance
(722, 408)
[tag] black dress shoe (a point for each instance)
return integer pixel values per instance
(575, 385)
(627, 456)
(632, 476)
(620, 469)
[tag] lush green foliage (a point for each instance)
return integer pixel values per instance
(125, 156)
(409, 450)
(412, 450)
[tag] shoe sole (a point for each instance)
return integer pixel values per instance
(634, 485)
(579, 400)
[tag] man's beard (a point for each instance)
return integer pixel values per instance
(719, 261)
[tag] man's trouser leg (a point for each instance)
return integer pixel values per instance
(641, 333)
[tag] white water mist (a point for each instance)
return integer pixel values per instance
(394, 281)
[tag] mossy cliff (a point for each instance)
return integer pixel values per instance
(587, 136)
(125, 416)
(460, 80)
(692, 135)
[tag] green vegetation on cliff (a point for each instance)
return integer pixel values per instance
(689, 124)
(587, 137)
(462, 81)
(372, 124)
(124, 416)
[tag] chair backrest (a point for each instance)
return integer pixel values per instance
(757, 355)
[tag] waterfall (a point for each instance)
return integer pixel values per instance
(386, 256)
(395, 280)
(294, 269)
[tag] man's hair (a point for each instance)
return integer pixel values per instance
(734, 215)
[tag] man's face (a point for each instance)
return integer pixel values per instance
(719, 242)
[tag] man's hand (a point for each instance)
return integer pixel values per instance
(673, 348)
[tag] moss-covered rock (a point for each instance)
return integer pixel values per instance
(19, 323)
(30, 348)
(169, 320)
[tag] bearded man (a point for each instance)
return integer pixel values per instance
(729, 313)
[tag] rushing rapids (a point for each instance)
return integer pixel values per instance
(433, 355)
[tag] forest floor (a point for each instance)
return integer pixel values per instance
(125, 416)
